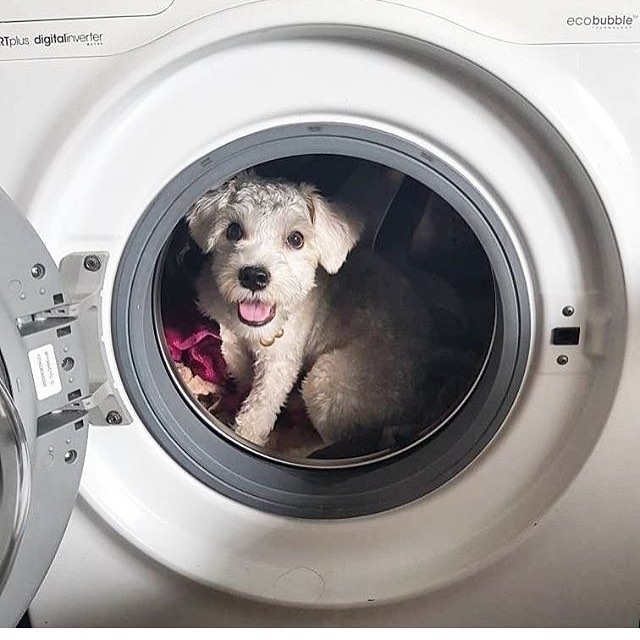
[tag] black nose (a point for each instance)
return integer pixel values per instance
(254, 278)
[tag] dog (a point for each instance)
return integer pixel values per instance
(296, 300)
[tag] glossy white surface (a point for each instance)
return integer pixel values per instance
(131, 25)
(113, 131)
(38, 10)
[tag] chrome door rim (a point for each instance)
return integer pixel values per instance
(15, 481)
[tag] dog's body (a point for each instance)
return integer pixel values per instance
(355, 330)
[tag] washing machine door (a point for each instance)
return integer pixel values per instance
(43, 426)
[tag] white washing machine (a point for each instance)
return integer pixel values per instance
(517, 123)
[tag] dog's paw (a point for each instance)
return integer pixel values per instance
(253, 433)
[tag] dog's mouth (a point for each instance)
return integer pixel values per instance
(255, 313)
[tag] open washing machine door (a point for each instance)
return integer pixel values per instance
(44, 390)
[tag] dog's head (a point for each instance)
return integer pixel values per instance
(267, 238)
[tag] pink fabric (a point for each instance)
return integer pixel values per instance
(194, 341)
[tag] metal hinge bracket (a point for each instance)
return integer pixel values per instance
(83, 275)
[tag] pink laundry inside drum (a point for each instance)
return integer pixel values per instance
(410, 227)
(194, 341)
(194, 345)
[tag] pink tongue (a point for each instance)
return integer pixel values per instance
(254, 311)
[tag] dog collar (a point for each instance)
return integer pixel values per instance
(267, 343)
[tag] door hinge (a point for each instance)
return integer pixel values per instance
(83, 275)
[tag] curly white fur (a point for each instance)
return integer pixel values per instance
(353, 326)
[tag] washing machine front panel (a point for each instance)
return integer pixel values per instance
(173, 517)
(71, 28)
(42, 421)
(38, 10)
(121, 160)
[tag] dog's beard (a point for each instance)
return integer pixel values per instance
(252, 309)
(261, 308)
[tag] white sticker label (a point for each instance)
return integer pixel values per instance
(44, 369)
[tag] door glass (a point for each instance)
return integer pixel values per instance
(14, 479)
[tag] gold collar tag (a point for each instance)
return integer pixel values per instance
(268, 343)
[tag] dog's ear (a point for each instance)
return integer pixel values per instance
(336, 232)
(202, 215)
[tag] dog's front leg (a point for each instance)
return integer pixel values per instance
(238, 359)
(274, 377)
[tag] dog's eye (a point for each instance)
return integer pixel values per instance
(234, 232)
(295, 240)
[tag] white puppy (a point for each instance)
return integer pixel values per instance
(290, 304)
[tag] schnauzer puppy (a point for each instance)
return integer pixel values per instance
(292, 307)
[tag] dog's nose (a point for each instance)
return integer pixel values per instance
(254, 278)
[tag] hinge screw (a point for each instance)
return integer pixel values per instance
(562, 360)
(113, 417)
(568, 311)
(38, 271)
(92, 263)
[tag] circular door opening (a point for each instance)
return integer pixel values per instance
(456, 290)
(411, 241)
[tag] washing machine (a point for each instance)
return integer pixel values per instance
(494, 147)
